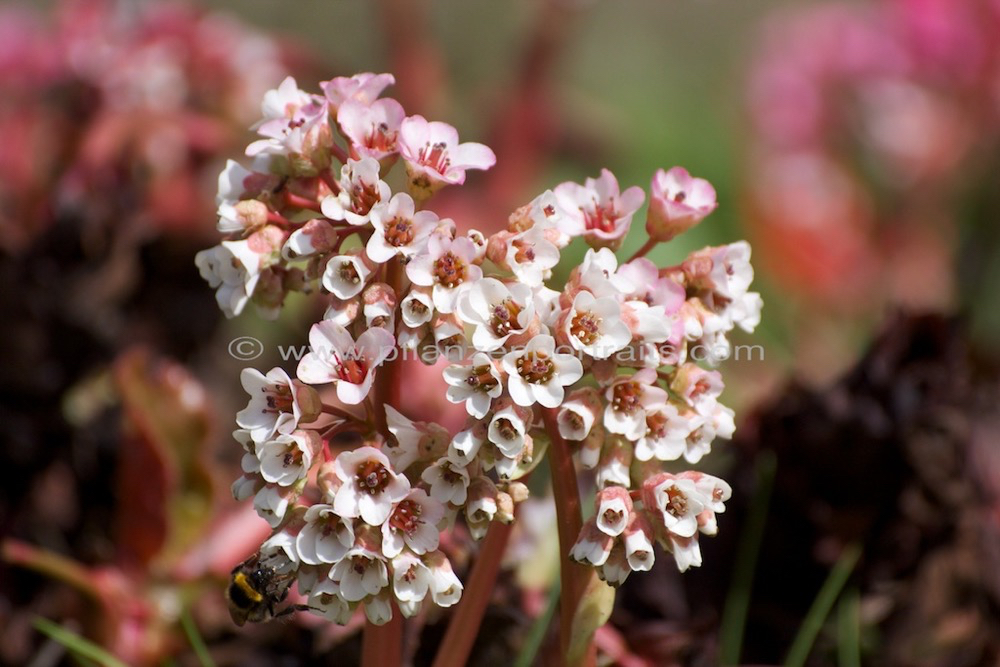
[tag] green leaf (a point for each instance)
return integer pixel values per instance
(593, 611)
(75, 644)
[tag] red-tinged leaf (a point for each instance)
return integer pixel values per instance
(165, 484)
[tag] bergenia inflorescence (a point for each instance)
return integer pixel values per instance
(620, 358)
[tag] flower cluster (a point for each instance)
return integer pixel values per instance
(606, 358)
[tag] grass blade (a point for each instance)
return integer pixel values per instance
(533, 642)
(821, 607)
(197, 643)
(77, 645)
(849, 629)
(738, 600)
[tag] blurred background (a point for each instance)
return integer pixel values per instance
(855, 145)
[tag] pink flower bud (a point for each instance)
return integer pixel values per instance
(677, 203)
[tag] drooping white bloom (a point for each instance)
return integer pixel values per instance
(362, 572)
(233, 270)
(613, 509)
(446, 587)
(411, 579)
(449, 481)
(592, 545)
(507, 430)
(578, 413)
(326, 601)
(271, 503)
(346, 275)
(665, 438)
(335, 357)
(675, 501)
(326, 536)
(538, 374)
(417, 307)
(370, 485)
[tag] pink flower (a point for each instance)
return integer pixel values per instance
(335, 357)
(598, 210)
(370, 486)
(373, 130)
(677, 202)
(434, 158)
(364, 88)
(446, 266)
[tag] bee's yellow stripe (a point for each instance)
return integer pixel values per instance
(241, 580)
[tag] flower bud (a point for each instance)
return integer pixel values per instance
(309, 402)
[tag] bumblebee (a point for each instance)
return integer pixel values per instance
(255, 589)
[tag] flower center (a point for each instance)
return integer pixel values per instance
(599, 218)
(611, 516)
(381, 139)
(406, 518)
(535, 367)
(626, 397)
(676, 502)
(449, 270)
(656, 425)
(481, 379)
(293, 456)
(506, 429)
(372, 477)
(524, 252)
(279, 398)
(504, 317)
(351, 370)
(680, 197)
(574, 420)
(348, 273)
(363, 197)
(359, 564)
(399, 232)
(435, 156)
(586, 327)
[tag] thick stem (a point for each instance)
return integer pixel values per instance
(569, 521)
(382, 645)
(468, 615)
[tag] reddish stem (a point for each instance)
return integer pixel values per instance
(468, 615)
(569, 521)
(382, 645)
(299, 201)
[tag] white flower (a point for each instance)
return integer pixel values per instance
(675, 501)
(449, 481)
(744, 311)
(446, 588)
(326, 601)
(481, 506)
(531, 256)
(538, 374)
(233, 270)
(417, 307)
(496, 310)
(465, 445)
(445, 266)
(411, 579)
(362, 572)
(615, 569)
(507, 431)
(578, 414)
(413, 523)
(370, 486)
(346, 275)
(360, 190)
(231, 184)
(665, 438)
(613, 508)
(288, 458)
(274, 405)
(638, 545)
(687, 552)
(732, 272)
(476, 385)
(592, 545)
(326, 536)
(271, 503)
(699, 388)
(399, 229)
(335, 357)
(594, 326)
(628, 397)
